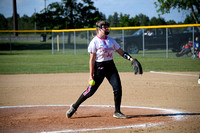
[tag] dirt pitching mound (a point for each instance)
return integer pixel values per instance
(88, 118)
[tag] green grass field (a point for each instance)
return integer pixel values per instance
(42, 61)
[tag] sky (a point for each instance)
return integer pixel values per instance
(107, 7)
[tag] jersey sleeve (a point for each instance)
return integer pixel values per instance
(92, 47)
(116, 45)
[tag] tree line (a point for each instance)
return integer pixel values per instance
(71, 14)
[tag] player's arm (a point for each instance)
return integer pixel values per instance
(134, 62)
(91, 64)
(124, 54)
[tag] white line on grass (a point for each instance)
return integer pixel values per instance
(178, 74)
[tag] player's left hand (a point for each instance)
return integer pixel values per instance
(137, 66)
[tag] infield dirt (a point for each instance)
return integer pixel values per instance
(179, 92)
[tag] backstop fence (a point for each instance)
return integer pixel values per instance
(152, 41)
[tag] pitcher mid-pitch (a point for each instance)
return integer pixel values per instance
(101, 63)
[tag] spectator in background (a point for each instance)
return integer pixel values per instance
(149, 33)
(196, 47)
(187, 48)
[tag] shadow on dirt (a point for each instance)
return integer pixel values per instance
(158, 115)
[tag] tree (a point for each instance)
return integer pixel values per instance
(124, 20)
(113, 20)
(52, 17)
(142, 19)
(25, 23)
(110, 20)
(4, 22)
(189, 20)
(157, 21)
(164, 6)
(69, 14)
(10, 23)
(171, 22)
(134, 22)
(89, 15)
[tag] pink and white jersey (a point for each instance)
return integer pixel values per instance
(103, 48)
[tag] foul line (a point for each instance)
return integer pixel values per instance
(145, 125)
(178, 74)
(108, 128)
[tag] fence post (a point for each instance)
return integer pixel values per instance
(88, 38)
(143, 41)
(63, 42)
(193, 42)
(10, 44)
(167, 46)
(123, 39)
(74, 42)
(52, 42)
(58, 42)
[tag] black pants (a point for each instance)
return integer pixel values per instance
(104, 69)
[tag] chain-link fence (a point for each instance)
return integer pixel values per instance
(151, 41)
(75, 42)
(25, 40)
(147, 41)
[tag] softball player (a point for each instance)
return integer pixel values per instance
(101, 63)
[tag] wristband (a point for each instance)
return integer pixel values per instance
(126, 56)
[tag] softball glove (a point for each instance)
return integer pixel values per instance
(137, 67)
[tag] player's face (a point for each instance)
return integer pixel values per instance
(105, 29)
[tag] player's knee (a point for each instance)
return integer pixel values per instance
(118, 91)
(89, 92)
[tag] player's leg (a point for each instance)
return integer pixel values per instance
(85, 95)
(88, 92)
(114, 80)
(98, 77)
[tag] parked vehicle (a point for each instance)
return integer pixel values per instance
(155, 39)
